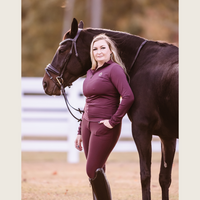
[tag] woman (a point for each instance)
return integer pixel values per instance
(100, 128)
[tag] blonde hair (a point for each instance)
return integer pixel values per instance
(114, 56)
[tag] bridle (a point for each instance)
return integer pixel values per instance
(59, 79)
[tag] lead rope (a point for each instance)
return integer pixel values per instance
(68, 104)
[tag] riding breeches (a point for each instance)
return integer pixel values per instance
(98, 142)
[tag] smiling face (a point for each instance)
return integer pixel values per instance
(101, 52)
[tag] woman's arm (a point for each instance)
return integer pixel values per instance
(119, 80)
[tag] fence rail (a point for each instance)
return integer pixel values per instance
(45, 116)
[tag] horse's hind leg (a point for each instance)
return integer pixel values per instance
(168, 151)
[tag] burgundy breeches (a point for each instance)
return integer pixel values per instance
(98, 142)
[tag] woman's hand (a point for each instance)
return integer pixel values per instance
(106, 123)
(78, 142)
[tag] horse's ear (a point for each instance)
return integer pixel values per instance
(80, 25)
(74, 28)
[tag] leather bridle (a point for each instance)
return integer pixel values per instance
(59, 79)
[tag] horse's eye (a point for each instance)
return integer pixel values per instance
(61, 50)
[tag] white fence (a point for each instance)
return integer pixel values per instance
(46, 116)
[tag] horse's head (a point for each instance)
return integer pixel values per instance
(71, 60)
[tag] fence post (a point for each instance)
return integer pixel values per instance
(73, 154)
(75, 101)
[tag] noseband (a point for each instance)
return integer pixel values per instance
(59, 79)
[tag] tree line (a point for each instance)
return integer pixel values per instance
(43, 24)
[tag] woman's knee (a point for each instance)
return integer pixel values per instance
(91, 171)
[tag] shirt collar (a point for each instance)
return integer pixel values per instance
(104, 65)
(108, 63)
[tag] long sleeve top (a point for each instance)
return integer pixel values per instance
(103, 88)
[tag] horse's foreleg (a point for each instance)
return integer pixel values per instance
(143, 143)
(168, 151)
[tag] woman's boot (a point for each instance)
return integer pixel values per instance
(100, 186)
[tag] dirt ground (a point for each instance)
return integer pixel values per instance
(47, 176)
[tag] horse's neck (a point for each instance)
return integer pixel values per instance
(127, 44)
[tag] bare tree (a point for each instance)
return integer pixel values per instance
(96, 13)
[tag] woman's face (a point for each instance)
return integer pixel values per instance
(101, 52)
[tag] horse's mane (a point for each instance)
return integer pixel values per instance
(119, 35)
(107, 30)
(123, 36)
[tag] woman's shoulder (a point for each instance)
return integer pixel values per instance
(112, 64)
(116, 67)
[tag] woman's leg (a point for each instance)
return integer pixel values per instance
(85, 132)
(98, 142)
(101, 143)
(86, 137)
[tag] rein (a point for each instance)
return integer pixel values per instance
(68, 104)
(138, 51)
(59, 79)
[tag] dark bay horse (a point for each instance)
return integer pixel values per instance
(153, 70)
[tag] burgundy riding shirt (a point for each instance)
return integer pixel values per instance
(103, 88)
